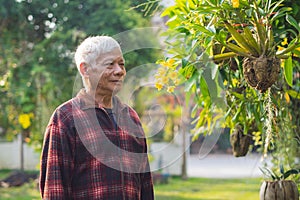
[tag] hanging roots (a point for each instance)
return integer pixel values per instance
(270, 115)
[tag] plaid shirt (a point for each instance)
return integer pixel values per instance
(85, 156)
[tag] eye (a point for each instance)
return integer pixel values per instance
(109, 65)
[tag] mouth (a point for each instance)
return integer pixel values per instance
(117, 81)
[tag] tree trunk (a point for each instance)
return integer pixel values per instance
(184, 167)
(21, 152)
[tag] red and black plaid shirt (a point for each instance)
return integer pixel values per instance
(88, 156)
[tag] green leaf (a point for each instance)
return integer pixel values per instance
(239, 39)
(203, 87)
(294, 94)
(256, 114)
(203, 29)
(210, 83)
(288, 71)
(173, 22)
(281, 169)
(221, 36)
(267, 172)
(290, 172)
(293, 22)
(275, 6)
(228, 111)
(190, 83)
(237, 114)
(184, 62)
(280, 13)
(214, 70)
(195, 109)
(238, 95)
(296, 52)
(168, 11)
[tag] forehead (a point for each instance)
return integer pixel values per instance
(115, 54)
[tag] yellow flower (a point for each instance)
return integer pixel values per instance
(173, 75)
(24, 120)
(284, 42)
(176, 81)
(297, 52)
(169, 63)
(164, 79)
(280, 48)
(157, 76)
(234, 82)
(170, 89)
(282, 63)
(225, 82)
(159, 86)
(287, 97)
(257, 138)
(235, 3)
(161, 71)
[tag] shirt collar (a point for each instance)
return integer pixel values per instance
(87, 101)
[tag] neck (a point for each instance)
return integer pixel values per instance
(102, 99)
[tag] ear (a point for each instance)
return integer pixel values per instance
(83, 68)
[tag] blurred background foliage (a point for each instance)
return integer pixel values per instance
(38, 39)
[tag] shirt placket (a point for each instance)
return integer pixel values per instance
(117, 129)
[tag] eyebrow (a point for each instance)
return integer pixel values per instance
(108, 60)
(111, 59)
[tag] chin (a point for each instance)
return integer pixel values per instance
(116, 90)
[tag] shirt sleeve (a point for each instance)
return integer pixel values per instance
(56, 161)
(147, 187)
(146, 180)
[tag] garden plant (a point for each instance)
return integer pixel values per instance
(279, 187)
(239, 60)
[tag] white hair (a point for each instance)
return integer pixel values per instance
(92, 47)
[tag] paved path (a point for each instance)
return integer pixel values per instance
(224, 166)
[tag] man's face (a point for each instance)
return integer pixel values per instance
(108, 74)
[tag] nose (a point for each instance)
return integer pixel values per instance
(119, 70)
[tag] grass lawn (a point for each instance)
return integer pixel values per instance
(176, 189)
(209, 189)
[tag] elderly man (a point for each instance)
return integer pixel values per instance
(94, 145)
